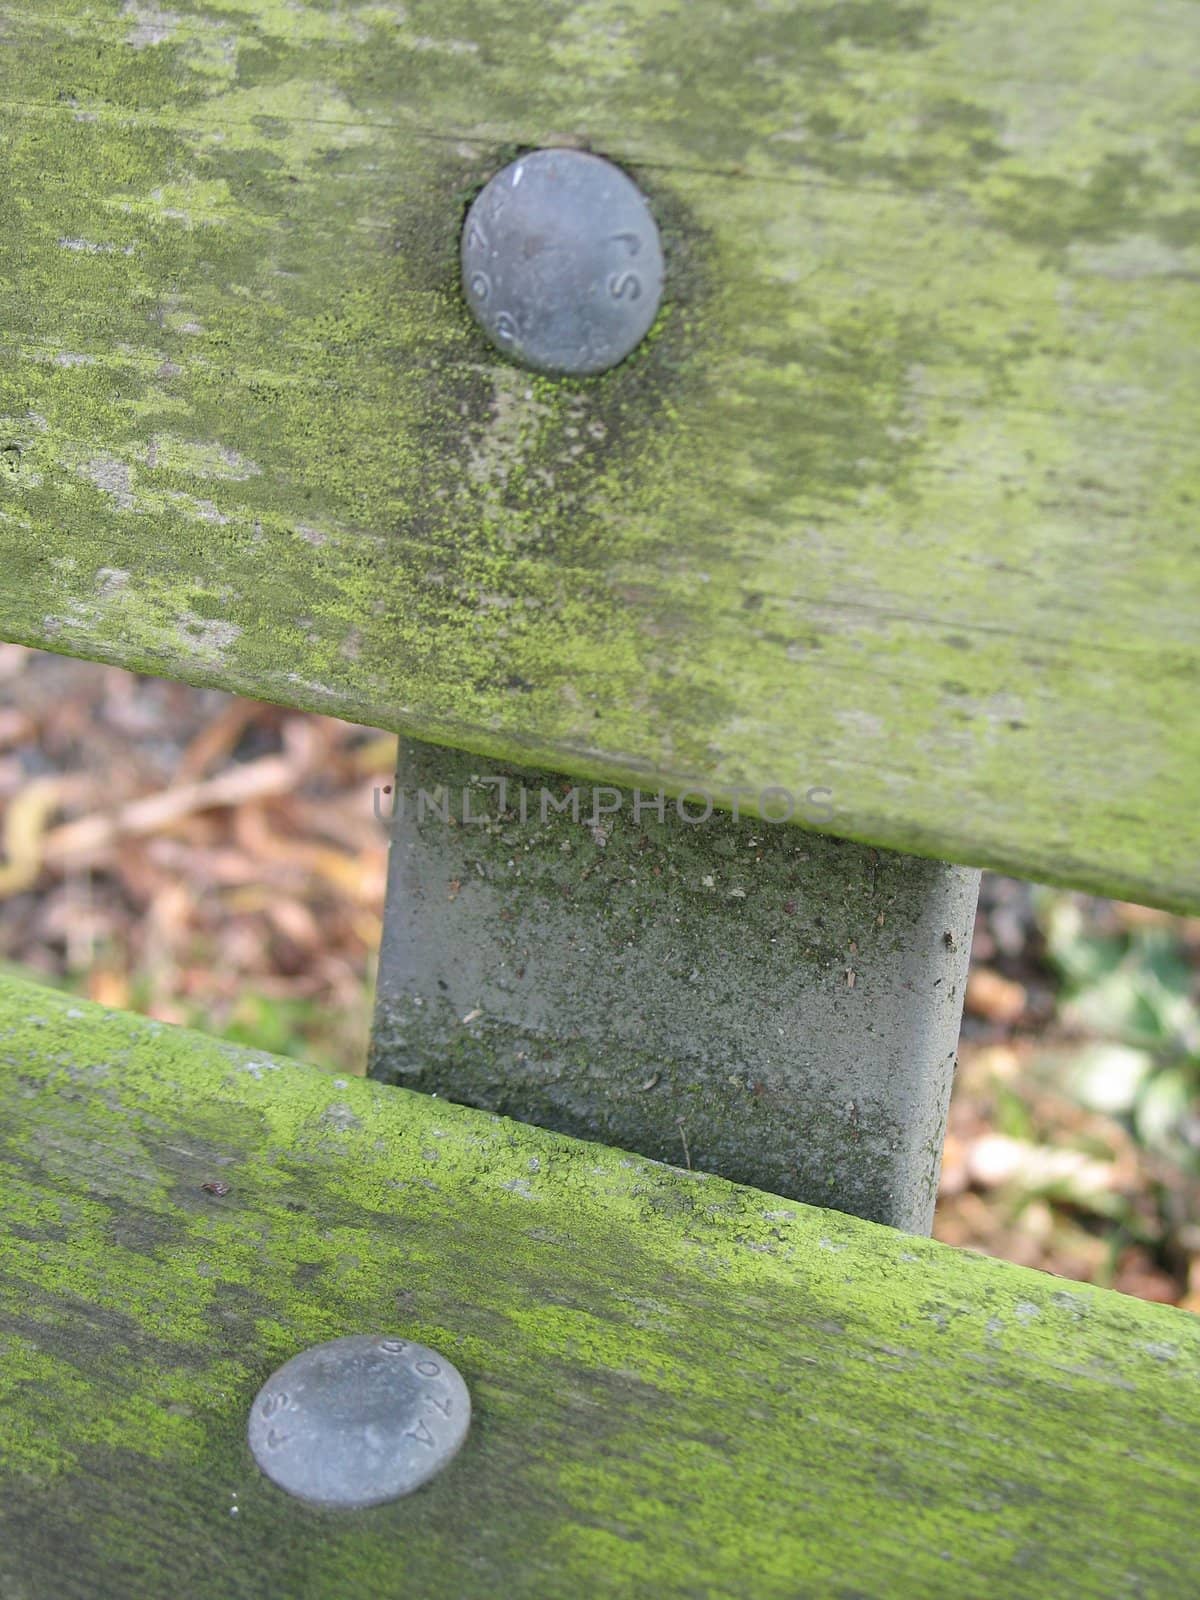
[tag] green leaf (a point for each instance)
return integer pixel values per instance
(1162, 1105)
(1108, 1076)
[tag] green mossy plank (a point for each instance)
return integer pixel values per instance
(681, 1387)
(899, 499)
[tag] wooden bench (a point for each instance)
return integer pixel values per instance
(893, 514)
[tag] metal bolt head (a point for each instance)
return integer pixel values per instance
(562, 263)
(358, 1421)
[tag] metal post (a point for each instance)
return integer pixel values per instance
(748, 999)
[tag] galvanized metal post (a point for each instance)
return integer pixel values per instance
(748, 999)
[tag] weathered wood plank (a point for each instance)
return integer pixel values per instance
(899, 500)
(680, 1387)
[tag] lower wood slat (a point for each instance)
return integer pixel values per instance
(681, 1387)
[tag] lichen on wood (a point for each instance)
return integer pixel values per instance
(899, 498)
(679, 1386)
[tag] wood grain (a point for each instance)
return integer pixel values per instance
(899, 500)
(680, 1387)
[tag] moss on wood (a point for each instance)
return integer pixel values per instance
(681, 1387)
(899, 499)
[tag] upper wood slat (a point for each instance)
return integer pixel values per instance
(899, 500)
(680, 1387)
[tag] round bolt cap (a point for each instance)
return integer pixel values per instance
(359, 1421)
(562, 263)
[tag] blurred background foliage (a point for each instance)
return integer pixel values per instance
(217, 862)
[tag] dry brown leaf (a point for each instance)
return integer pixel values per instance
(351, 822)
(15, 726)
(995, 998)
(356, 875)
(109, 988)
(169, 916)
(378, 755)
(203, 868)
(296, 922)
(1137, 1274)
(217, 739)
(272, 775)
(954, 1176)
(1128, 915)
(14, 658)
(25, 837)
